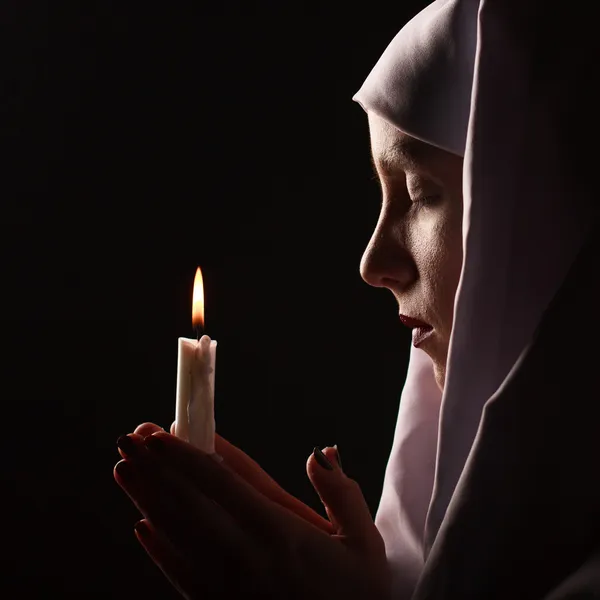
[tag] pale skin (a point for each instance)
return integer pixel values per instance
(227, 529)
(416, 248)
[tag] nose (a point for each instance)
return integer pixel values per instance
(386, 261)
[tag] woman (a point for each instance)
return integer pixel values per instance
(487, 238)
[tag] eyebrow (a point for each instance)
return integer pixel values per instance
(403, 154)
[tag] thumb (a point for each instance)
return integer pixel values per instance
(343, 499)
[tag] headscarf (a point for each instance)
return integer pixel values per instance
(499, 83)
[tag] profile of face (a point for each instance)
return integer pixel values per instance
(416, 248)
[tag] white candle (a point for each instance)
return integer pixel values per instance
(195, 417)
(194, 411)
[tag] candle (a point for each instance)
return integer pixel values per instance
(194, 413)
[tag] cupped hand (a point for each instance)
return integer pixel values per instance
(247, 468)
(215, 535)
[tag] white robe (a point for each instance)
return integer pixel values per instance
(503, 83)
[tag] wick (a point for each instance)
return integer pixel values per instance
(198, 329)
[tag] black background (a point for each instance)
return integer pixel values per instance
(139, 141)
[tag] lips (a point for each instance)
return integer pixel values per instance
(420, 330)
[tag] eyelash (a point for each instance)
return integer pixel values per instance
(422, 201)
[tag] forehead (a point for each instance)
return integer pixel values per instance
(392, 149)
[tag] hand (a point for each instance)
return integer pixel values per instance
(249, 470)
(215, 536)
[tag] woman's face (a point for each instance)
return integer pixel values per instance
(416, 248)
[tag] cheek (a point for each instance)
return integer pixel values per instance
(436, 239)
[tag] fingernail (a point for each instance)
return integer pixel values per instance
(337, 456)
(153, 442)
(322, 459)
(125, 471)
(126, 444)
(141, 528)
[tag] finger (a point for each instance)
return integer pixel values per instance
(129, 444)
(254, 474)
(218, 482)
(344, 503)
(189, 520)
(146, 429)
(174, 566)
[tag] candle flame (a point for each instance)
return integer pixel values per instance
(198, 301)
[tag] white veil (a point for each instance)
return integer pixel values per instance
(460, 75)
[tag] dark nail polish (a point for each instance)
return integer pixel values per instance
(337, 456)
(141, 528)
(125, 471)
(322, 459)
(126, 444)
(153, 443)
